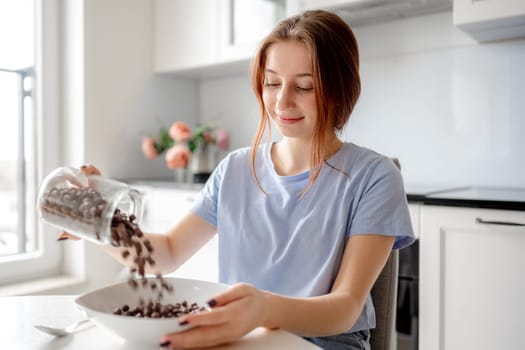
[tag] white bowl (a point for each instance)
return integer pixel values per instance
(99, 305)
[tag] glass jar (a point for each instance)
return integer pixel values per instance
(203, 161)
(85, 205)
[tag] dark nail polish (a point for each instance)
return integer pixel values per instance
(212, 303)
(83, 167)
(183, 323)
(62, 238)
(165, 344)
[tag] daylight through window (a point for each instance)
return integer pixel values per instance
(17, 134)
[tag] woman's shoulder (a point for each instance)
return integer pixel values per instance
(363, 157)
(365, 165)
(236, 157)
(244, 153)
(237, 160)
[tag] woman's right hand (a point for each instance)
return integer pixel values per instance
(86, 170)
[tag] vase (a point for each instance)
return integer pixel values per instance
(203, 161)
(182, 175)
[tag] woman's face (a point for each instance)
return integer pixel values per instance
(288, 94)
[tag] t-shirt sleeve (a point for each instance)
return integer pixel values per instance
(206, 202)
(382, 206)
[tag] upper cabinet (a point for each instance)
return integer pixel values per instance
(244, 24)
(206, 38)
(186, 34)
(487, 20)
(366, 12)
(203, 38)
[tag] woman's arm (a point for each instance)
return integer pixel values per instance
(337, 311)
(243, 308)
(172, 249)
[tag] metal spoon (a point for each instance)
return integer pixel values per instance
(60, 332)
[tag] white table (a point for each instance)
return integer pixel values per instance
(18, 314)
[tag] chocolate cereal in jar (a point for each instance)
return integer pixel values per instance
(85, 205)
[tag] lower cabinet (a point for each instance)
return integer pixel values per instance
(164, 207)
(472, 279)
(414, 210)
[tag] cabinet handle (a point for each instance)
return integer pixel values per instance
(504, 223)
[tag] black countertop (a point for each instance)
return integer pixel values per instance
(505, 198)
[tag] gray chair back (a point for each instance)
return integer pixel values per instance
(384, 297)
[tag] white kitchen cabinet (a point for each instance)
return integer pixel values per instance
(163, 208)
(471, 279)
(366, 12)
(186, 34)
(487, 20)
(244, 24)
(297, 6)
(414, 210)
(205, 38)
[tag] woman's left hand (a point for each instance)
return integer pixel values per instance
(234, 313)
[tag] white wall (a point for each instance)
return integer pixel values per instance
(124, 101)
(110, 100)
(231, 103)
(450, 109)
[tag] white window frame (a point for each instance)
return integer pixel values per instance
(46, 260)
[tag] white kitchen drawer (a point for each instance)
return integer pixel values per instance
(203, 265)
(415, 210)
(163, 208)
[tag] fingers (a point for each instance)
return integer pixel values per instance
(237, 291)
(233, 314)
(90, 170)
(235, 298)
(64, 236)
(200, 337)
(214, 317)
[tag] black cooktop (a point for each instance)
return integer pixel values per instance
(507, 198)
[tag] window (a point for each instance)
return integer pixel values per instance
(25, 251)
(15, 156)
(16, 144)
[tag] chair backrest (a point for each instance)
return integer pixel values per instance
(384, 297)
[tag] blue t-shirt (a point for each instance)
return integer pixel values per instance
(290, 245)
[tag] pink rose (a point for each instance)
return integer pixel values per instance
(148, 148)
(207, 136)
(222, 139)
(180, 132)
(178, 156)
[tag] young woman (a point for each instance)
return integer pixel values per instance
(305, 224)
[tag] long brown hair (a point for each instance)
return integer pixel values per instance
(335, 63)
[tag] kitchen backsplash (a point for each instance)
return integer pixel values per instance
(452, 110)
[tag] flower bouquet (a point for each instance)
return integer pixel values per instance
(187, 149)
